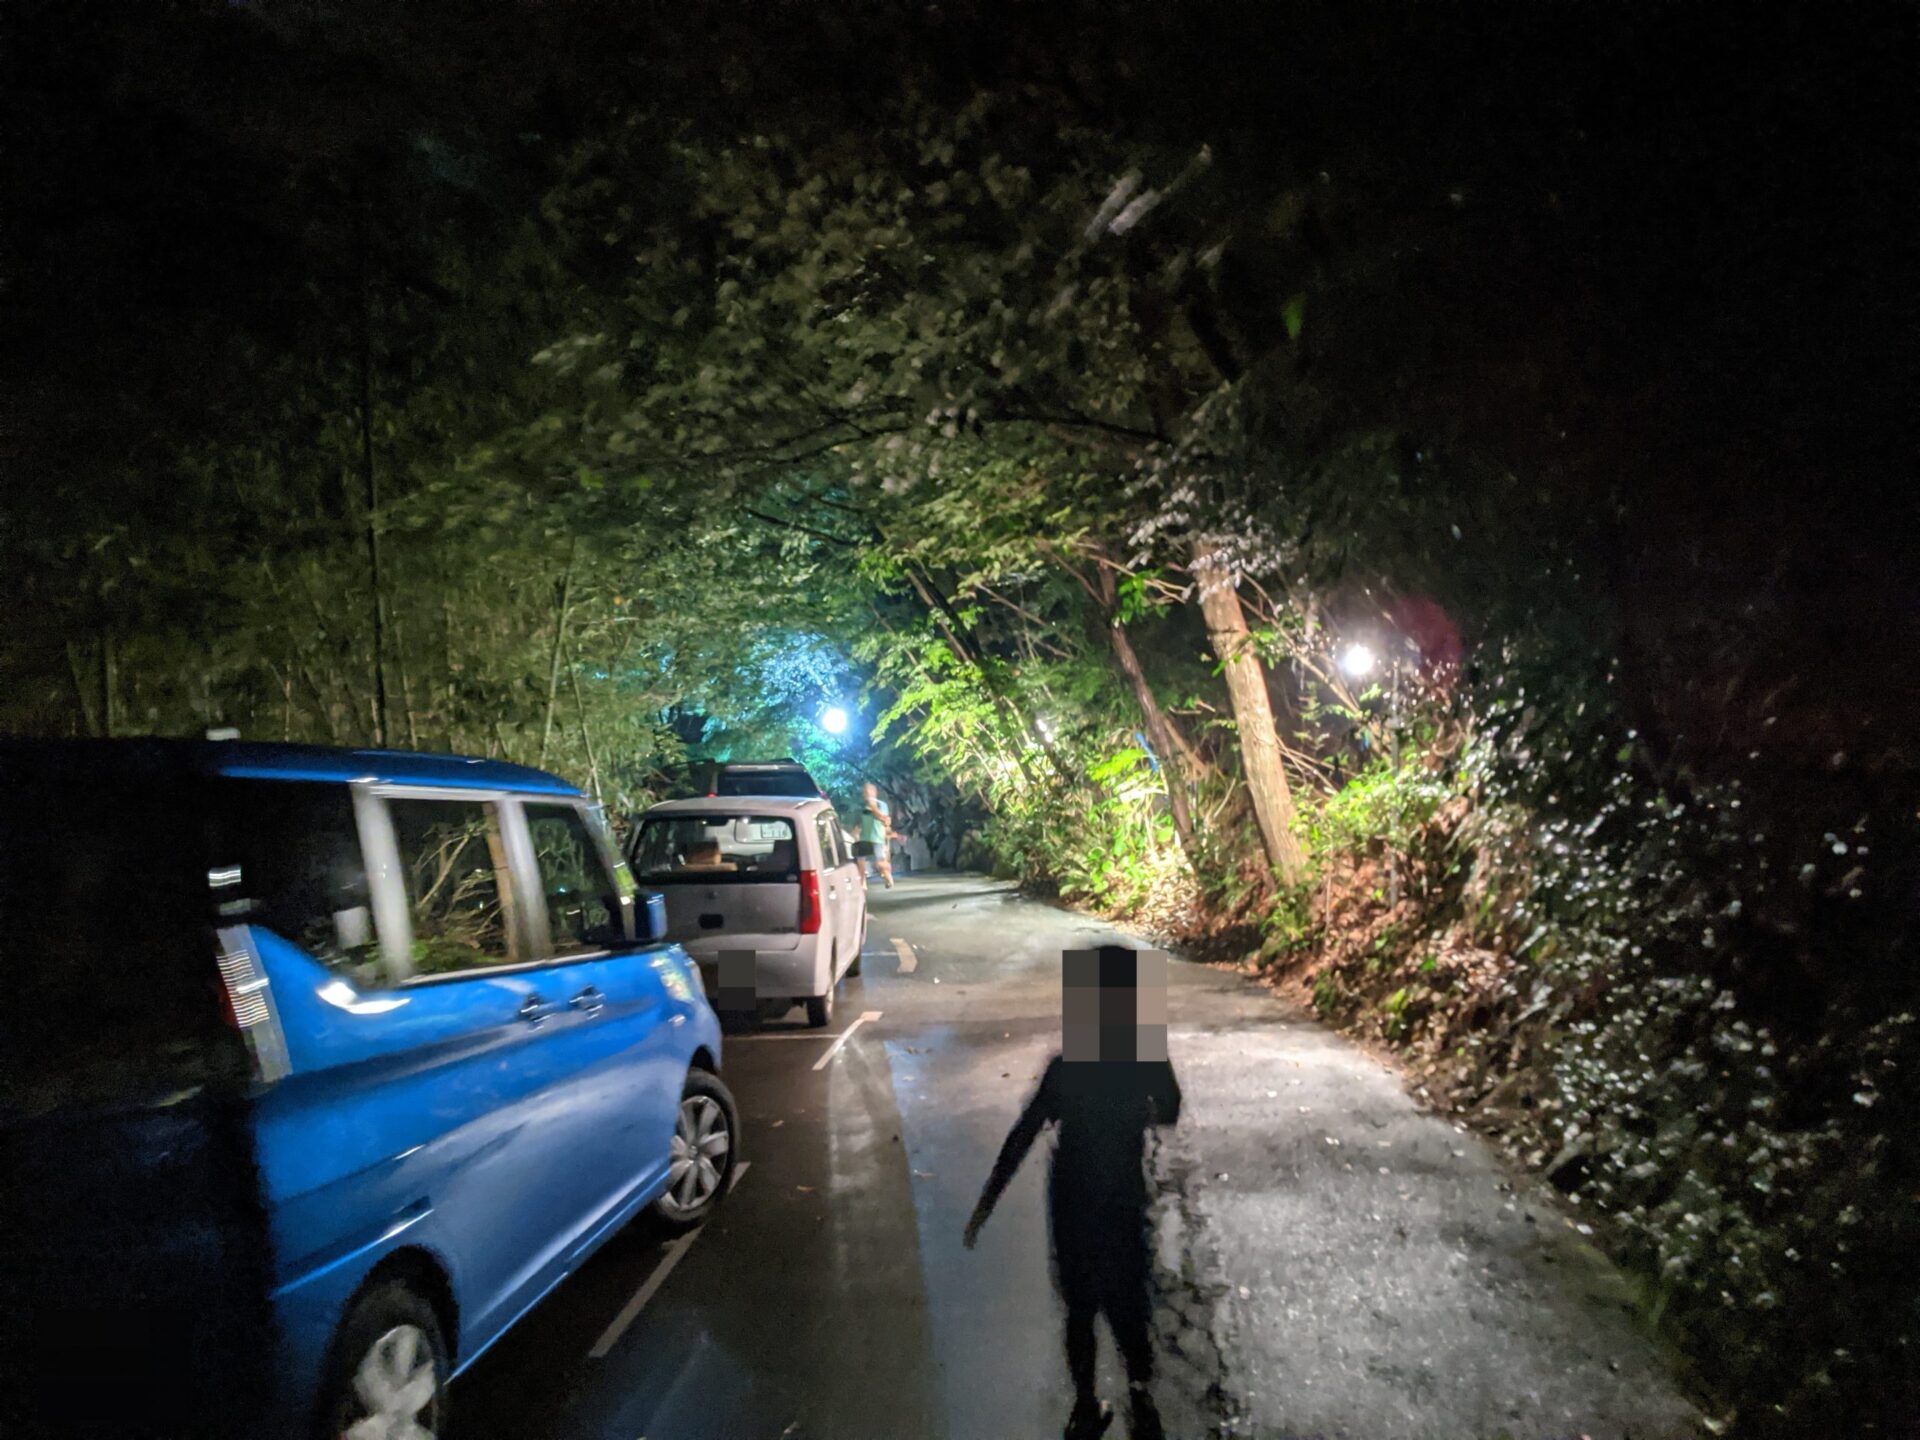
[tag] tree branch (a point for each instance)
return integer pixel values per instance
(765, 518)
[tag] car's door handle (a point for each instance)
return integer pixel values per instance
(534, 1009)
(589, 1000)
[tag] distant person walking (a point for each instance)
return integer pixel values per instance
(1110, 1083)
(876, 829)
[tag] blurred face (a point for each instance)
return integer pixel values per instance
(739, 979)
(870, 790)
(1114, 1004)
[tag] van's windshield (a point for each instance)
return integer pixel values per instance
(716, 846)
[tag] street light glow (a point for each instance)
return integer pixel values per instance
(1357, 661)
(834, 720)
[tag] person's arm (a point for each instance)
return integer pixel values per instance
(1163, 1091)
(1040, 1109)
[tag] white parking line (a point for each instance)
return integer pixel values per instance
(631, 1310)
(845, 1035)
(909, 962)
(781, 1035)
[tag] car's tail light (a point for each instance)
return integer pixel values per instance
(809, 902)
(247, 1002)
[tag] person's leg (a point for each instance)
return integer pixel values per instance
(1081, 1353)
(1128, 1303)
(1131, 1321)
(1076, 1276)
(885, 862)
(1089, 1418)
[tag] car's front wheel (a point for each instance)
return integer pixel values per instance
(388, 1377)
(705, 1150)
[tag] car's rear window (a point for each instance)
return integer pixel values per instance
(789, 784)
(716, 846)
(108, 914)
(106, 932)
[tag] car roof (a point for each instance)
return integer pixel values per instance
(738, 804)
(266, 760)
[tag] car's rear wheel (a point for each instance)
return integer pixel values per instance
(705, 1150)
(388, 1374)
(820, 1007)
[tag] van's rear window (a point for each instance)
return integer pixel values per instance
(716, 846)
(784, 784)
(107, 917)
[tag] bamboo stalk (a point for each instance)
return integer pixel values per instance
(406, 685)
(559, 638)
(586, 733)
(87, 712)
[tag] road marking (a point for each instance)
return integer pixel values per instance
(814, 1035)
(778, 1035)
(909, 962)
(610, 1337)
(845, 1035)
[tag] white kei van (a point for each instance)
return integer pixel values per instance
(765, 874)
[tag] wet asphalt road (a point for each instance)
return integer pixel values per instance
(1333, 1262)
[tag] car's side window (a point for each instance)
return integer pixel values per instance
(829, 848)
(459, 890)
(294, 854)
(583, 897)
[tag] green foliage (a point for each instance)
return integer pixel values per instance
(1327, 997)
(1380, 805)
(1717, 1138)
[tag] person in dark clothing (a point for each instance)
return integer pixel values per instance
(1110, 1083)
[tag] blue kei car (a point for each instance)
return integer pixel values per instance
(318, 1069)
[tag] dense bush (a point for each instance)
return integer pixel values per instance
(1589, 962)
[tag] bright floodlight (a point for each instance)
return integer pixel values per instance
(834, 720)
(1044, 726)
(1357, 661)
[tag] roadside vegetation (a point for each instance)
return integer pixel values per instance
(1434, 565)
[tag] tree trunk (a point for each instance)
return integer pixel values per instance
(559, 638)
(1166, 741)
(370, 479)
(87, 713)
(1252, 712)
(446, 661)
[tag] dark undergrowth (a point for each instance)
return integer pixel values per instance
(1636, 992)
